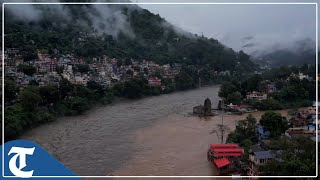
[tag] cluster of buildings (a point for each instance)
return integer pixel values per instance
(103, 70)
(271, 87)
(304, 124)
(226, 158)
(260, 154)
(301, 76)
(255, 95)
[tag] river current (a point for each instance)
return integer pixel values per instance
(150, 136)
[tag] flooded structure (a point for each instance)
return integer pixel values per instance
(204, 109)
(226, 158)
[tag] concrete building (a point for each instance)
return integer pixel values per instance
(254, 95)
(154, 81)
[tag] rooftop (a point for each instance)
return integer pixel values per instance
(224, 145)
(263, 154)
(221, 162)
(256, 148)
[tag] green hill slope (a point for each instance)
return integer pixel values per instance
(121, 31)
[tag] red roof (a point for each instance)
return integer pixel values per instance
(227, 150)
(223, 146)
(228, 154)
(221, 162)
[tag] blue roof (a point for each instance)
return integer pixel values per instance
(263, 154)
(312, 125)
(262, 130)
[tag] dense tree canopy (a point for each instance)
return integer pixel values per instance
(298, 155)
(230, 93)
(10, 90)
(27, 69)
(275, 123)
(245, 129)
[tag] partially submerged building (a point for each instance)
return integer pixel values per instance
(226, 158)
(205, 110)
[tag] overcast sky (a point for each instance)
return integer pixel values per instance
(241, 27)
(258, 26)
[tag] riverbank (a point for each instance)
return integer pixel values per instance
(43, 105)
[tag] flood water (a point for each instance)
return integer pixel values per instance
(151, 136)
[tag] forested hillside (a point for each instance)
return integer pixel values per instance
(116, 31)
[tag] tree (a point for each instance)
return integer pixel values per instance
(275, 123)
(252, 83)
(246, 144)
(136, 68)
(229, 92)
(30, 98)
(10, 90)
(83, 92)
(118, 89)
(298, 158)
(49, 94)
(146, 70)
(184, 81)
(97, 88)
(263, 86)
(60, 69)
(234, 97)
(226, 89)
(33, 83)
(127, 61)
(82, 68)
(65, 88)
(267, 104)
(77, 104)
(15, 121)
(119, 63)
(133, 89)
(129, 72)
(245, 129)
(155, 91)
(27, 69)
(29, 53)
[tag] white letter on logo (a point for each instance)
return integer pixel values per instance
(21, 153)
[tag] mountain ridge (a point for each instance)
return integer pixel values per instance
(299, 52)
(122, 31)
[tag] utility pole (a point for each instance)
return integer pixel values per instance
(221, 128)
(199, 78)
(222, 133)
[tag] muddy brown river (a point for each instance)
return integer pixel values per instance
(151, 136)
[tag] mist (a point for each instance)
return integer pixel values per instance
(251, 28)
(255, 29)
(103, 19)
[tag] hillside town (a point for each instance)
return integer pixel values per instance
(103, 70)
